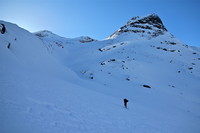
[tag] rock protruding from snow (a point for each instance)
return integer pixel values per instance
(85, 39)
(149, 26)
(2, 28)
(44, 33)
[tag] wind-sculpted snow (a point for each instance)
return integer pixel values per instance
(54, 84)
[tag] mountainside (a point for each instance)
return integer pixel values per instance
(50, 83)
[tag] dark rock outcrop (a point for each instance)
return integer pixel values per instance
(86, 39)
(149, 26)
(2, 28)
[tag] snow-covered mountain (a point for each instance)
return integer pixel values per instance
(50, 83)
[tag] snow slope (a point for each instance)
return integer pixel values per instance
(54, 84)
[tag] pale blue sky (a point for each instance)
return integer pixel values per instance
(100, 18)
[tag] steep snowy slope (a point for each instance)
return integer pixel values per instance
(78, 85)
(36, 91)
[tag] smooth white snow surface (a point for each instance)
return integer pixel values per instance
(51, 84)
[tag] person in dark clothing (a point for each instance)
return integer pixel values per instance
(3, 28)
(125, 103)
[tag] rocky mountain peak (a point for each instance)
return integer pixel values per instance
(148, 26)
(152, 20)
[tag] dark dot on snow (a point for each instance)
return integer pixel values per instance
(165, 49)
(103, 63)
(190, 68)
(112, 60)
(171, 86)
(8, 45)
(146, 86)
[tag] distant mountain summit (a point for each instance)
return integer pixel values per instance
(44, 33)
(53, 38)
(147, 26)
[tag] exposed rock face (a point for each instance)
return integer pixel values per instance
(149, 26)
(85, 39)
